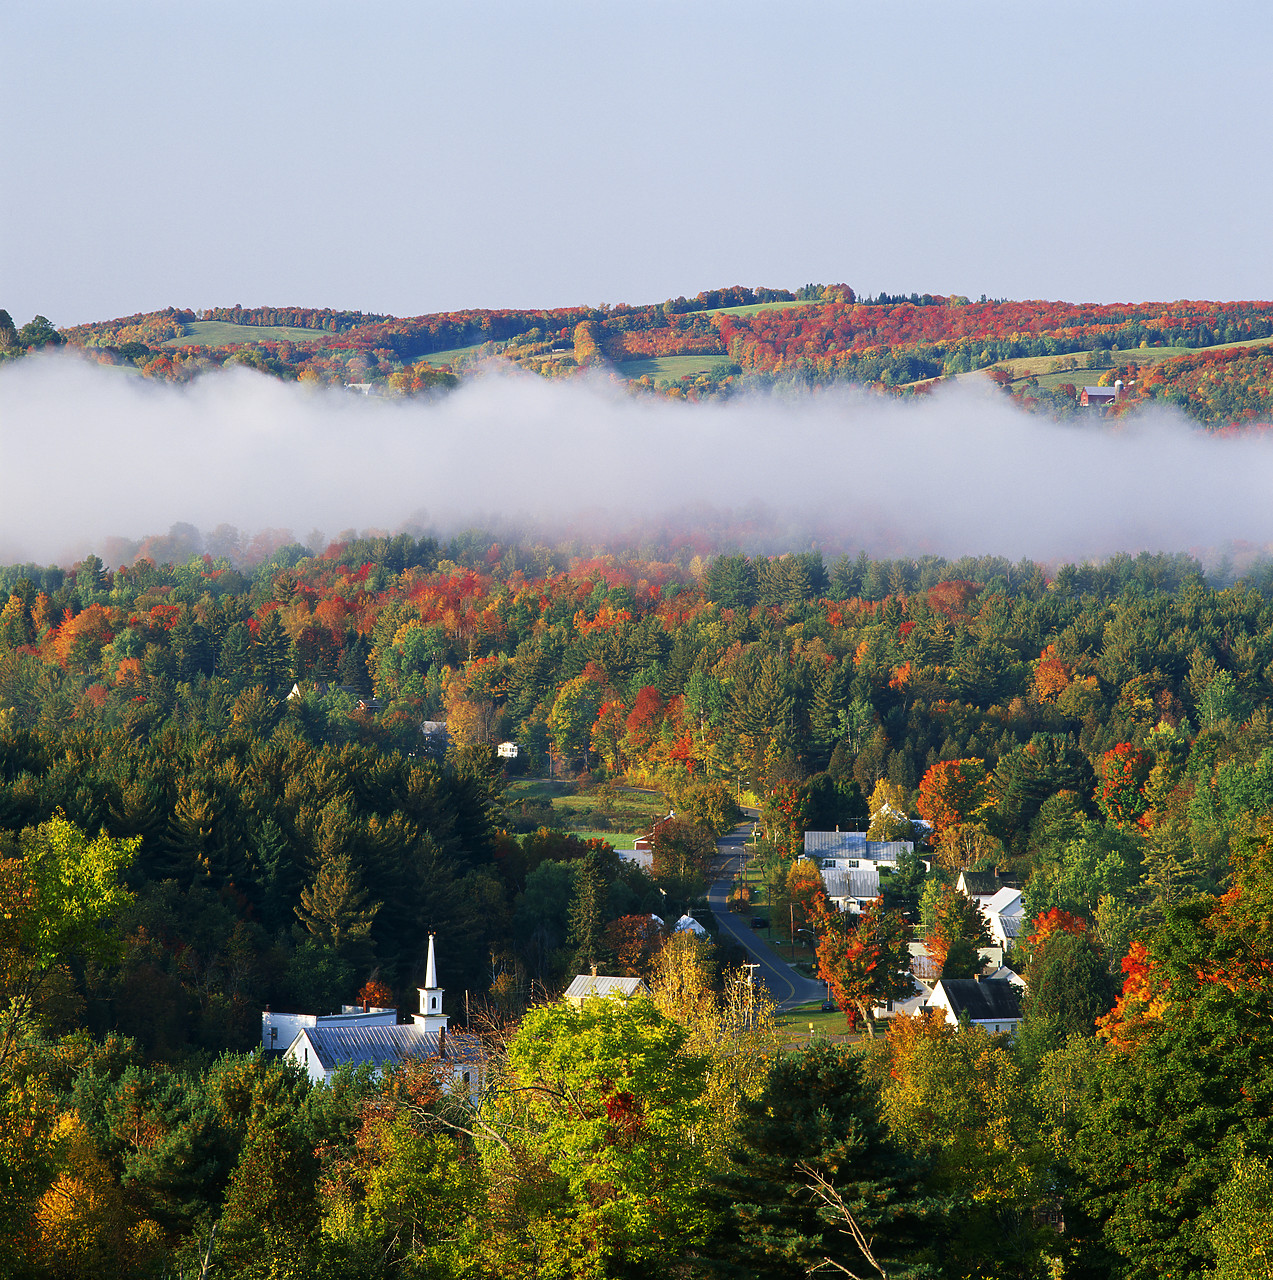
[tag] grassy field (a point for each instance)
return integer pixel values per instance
(620, 839)
(450, 356)
(1023, 366)
(751, 308)
(671, 368)
(805, 1022)
(221, 333)
(618, 816)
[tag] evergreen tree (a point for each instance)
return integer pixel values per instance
(587, 913)
(818, 1119)
(273, 652)
(236, 661)
(335, 909)
(830, 698)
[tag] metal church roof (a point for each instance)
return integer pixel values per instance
(385, 1046)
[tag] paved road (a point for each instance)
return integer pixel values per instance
(787, 986)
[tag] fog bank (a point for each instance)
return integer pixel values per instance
(88, 452)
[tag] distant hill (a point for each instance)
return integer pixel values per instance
(1042, 353)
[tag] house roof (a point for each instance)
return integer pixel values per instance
(862, 883)
(590, 984)
(991, 1000)
(385, 1046)
(852, 844)
(1005, 902)
(980, 883)
(687, 924)
(1100, 391)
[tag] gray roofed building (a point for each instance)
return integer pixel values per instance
(852, 890)
(983, 884)
(382, 1047)
(587, 985)
(278, 1030)
(842, 848)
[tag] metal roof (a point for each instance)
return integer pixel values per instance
(1006, 901)
(862, 883)
(852, 844)
(589, 984)
(385, 1046)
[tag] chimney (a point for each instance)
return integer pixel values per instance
(594, 970)
(441, 1042)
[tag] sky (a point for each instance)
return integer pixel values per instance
(414, 157)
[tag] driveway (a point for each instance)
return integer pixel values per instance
(787, 986)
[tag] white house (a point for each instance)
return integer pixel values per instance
(921, 994)
(687, 924)
(1003, 913)
(507, 750)
(322, 1050)
(851, 850)
(851, 890)
(992, 1003)
(588, 986)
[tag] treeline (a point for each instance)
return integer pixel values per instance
(891, 341)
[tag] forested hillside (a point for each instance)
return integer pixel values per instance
(216, 794)
(1206, 358)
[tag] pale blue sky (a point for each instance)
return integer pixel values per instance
(416, 157)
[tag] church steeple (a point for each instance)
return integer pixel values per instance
(430, 1018)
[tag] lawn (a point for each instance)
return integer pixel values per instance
(1024, 366)
(619, 839)
(672, 368)
(808, 1021)
(619, 815)
(750, 308)
(450, 356)
(1021, 367)
(221, 333)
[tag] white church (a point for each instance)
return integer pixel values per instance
(324, 1048)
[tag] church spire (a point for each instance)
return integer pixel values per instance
(430, 1018)
(431, 969)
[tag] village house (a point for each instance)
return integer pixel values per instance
(323, 1049)
(991, 1003)
(851, 850)
(1003, 912)
(1101, 397)
(984, 884)
(594, 986)
(851, 890)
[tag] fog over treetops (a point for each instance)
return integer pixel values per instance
(89, 454)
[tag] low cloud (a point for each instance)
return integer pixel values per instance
(88, 452)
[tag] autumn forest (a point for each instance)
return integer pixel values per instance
(242, 770)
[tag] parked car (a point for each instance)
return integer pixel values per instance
(759, 922)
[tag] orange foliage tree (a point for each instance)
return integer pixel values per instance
(951, 793)
(865, 960)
